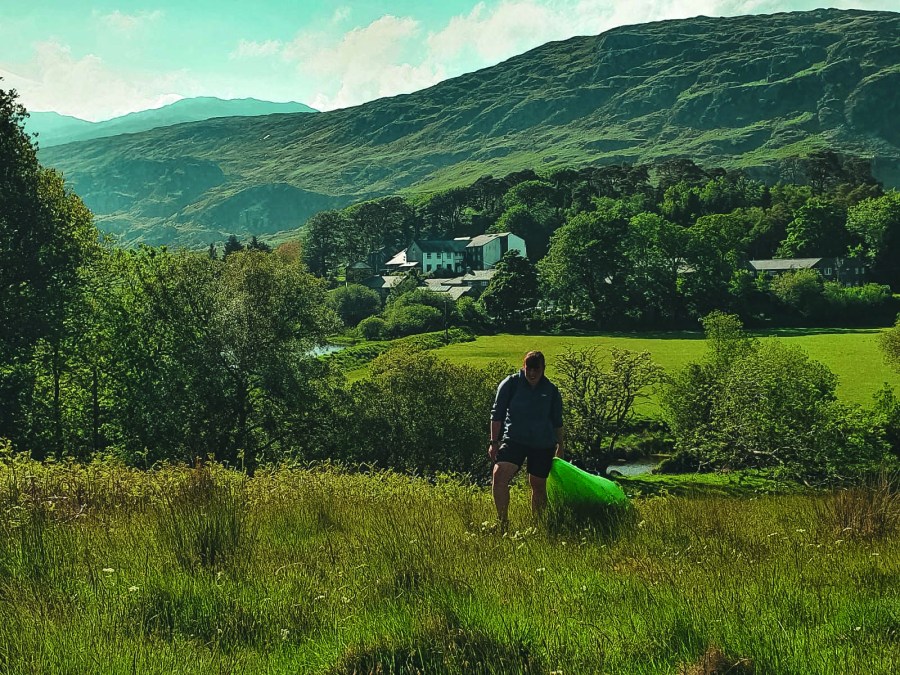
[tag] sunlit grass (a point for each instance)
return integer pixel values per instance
(853, 355)
(344, 572)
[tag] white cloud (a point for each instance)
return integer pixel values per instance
(88, 88)
(247, 49)
(340, 14)
(128, 23)
(369, 62)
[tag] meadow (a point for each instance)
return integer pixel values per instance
(852, 354)
(106, 569)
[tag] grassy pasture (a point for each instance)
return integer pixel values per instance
(852, 354)
(105, 569)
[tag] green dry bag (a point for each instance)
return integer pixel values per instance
(568, 485)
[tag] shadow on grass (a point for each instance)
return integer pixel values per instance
(443, 649)
(595, 519)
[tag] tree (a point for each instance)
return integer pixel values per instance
(534, 225)
(442, 212)
(600, 401)
(321, 240)
(257, 245)
(512, 293)
(586, 265)
(354, 302)
(875, 222)
(47, 238)
(751, 403)
(889, 341)
(232, 245)
(657, 254)
(206, 356)
(800, 291)
(389, 221)
(818, 229)
(417, 412)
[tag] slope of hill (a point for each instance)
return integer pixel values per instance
(55, 129)
(734, 92)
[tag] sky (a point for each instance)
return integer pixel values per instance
(98, 59)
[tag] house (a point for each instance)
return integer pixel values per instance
(847, 271)
(398, 263)
(470, 284)
(476, 279)
(358, 272)
(382, 284)
(485, 250)
(442, 256)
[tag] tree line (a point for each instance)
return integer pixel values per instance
(627, 246)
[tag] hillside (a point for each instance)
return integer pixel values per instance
(55, 129)
(733, 92)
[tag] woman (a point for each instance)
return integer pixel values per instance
(526, 426)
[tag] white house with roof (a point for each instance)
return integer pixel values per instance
(438, 255)
(456, 255)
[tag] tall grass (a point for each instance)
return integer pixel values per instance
(108, 570)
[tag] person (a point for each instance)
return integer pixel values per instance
(526, 426)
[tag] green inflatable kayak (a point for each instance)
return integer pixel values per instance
(568, 485)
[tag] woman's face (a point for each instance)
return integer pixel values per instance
(534, 375)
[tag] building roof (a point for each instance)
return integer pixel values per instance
(478, 275)
(441, 245)
(360, 266)
(455, 292)
(785, 264)
(398, 259)
(381, 282)
(483, 239)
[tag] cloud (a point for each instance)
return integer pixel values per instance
(87, 88)
(365, 63)
(247, 49)
(128, 23)
(340, 14)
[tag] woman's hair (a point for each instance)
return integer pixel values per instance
(534, 360)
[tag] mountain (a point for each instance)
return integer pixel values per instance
(733, 92)
(55, 129)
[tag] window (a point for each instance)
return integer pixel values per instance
(827, 271)
(427, 268)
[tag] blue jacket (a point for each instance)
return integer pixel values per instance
(530, 416)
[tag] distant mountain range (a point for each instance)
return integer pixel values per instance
(55, 129)
(734, 92)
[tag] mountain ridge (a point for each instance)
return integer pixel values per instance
(56, 129)
(738, 92)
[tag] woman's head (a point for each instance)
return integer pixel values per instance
(534, 367)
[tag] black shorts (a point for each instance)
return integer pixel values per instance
(539, 459)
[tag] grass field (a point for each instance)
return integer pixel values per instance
(853, 355)
(105, 569)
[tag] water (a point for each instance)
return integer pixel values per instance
(636, 467)
(326, 349)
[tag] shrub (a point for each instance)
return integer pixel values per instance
(766, 405)
(354, 302)
(372, 328)
(419, 412)
(403, 320)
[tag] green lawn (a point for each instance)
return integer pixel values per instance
(852, 354)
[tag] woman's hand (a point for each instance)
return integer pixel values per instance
(492, 450)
